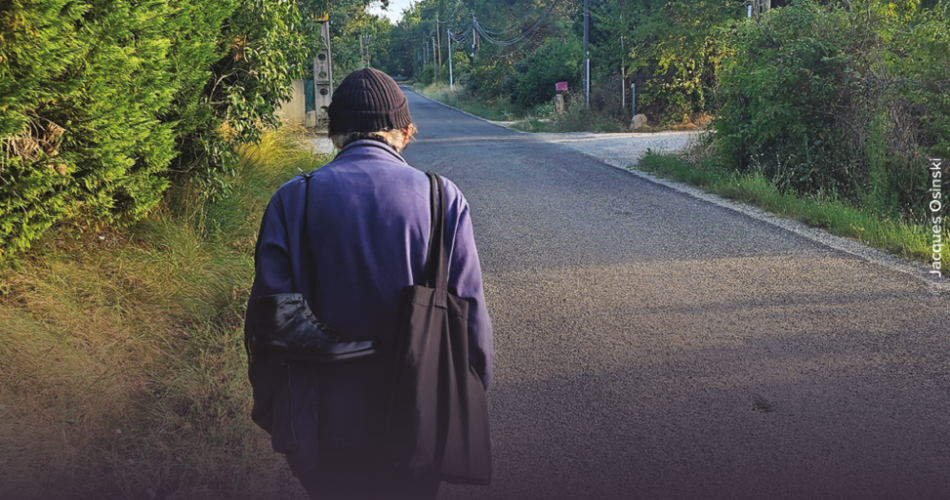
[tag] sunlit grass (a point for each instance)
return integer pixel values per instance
(541, 119)
(909, 239)
(123, 371)
(498, 110)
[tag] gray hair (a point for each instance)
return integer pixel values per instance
(394, 137)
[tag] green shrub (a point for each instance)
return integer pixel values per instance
(488, 75)
(920, 58)
(823, 99)
(461, 67)
(789, 71)
(556, 61)
(82, 87)
(427, 76)
(104, 102)
(674, 50)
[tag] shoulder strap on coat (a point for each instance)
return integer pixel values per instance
(436, 262)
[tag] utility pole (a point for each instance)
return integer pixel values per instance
(435, 60)
(623, 70)
(623, 77)
(474, 36)
(448, 38)
(586, 54)
(322, 77)
(362, 60)
(438, 43)
(369, 53)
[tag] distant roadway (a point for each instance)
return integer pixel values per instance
(651, 345)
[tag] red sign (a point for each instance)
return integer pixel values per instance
(560, 86)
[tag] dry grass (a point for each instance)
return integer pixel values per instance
(696, 121)
(123, 372)
(499, 110)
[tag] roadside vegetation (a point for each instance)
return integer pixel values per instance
(517, 50)
(541, 118)
(128, 206)
(460, 99)
(849, 149)
(836, 104)
(899, 234)
(135, 163)
(199, 78)
(124, 373)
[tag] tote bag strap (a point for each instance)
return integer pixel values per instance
(306, 251)
(436, 262)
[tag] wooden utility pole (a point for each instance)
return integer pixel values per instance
(435, 59)
(448, 38)
(438, 43)
(474, 36)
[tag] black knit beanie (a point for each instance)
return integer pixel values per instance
(368, 100)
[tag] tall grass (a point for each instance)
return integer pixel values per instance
(498, 110)
(904, 237)
(123, 372)
(574, 119)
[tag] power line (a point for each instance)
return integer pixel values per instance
(513, 26)
(486, 33)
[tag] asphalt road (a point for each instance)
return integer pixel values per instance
(652, 345)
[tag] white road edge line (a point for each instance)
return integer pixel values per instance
(916, 270)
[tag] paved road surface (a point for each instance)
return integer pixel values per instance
(652, 345)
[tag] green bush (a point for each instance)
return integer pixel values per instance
(675, 51)
(461, 67)
(789, 71)
(427, 76)
(82, 87)
(823, 99)
(104, 102)
(556, 61)
(920, 58)
(488, 74)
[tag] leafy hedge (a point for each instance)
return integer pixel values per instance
(103, 103)
(848, 102)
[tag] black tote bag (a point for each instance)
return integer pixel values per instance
(438, 419)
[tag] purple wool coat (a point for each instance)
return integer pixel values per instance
(368, 230)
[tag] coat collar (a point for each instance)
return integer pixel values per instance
(370, 143)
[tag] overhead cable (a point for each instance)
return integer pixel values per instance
(486, 34)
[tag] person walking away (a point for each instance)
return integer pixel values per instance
(349, 237)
